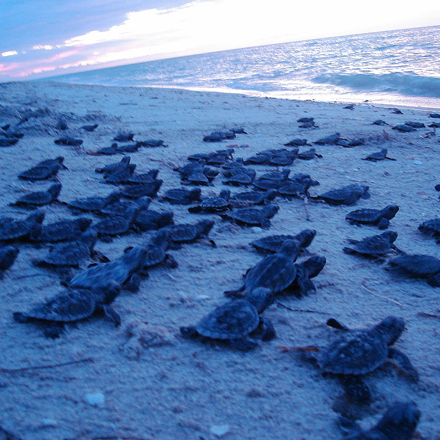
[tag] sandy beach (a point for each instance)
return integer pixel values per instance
(142, 380)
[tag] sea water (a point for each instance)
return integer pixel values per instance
(393, 67)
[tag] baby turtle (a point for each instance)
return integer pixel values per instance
(69, 141)
(94, 204)
(273, 243)
(398, 423)
(43, 170)
(89, 128)
(359, 352)
(329, 140)
(187, 233)
(124, 270)
(116, 224)
(124, 137)
(11, 229)
(121, 206)
(136, 191)
(239, 176)
(123, 164)
(297, 142)
(72, 305)
(213, 204)
(251, 198)
(149, 220)
(347, 195)
(310, 268)
(235, 321)
(431, 228)
(182, 196)
(70, 254)
(417, 266)
(39, 198)
(309, 154)
(379, 155)
(62, 230)
(157, 248)
(252, 216)
(378, 217)
(122, 172)
(275, 272)
(376, 246)
(8, 254)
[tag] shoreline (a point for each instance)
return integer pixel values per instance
(156, 384)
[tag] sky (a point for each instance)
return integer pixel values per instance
(43, 38)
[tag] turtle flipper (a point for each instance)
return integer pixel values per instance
(332, 322)
(20, 317)
(243, 344)
(403, 362)
(53, 329)
(112, 314)
(434, 281)
(355, 388)
(235, 293)
(269, 332)
(133, 284)
(349, 427)
(305, 285)
(383, 224)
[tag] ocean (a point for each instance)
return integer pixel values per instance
(393, 67)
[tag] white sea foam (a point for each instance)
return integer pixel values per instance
(386, 67)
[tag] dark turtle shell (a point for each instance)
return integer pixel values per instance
(43, 170)
(117, 224)
(8, 254)
(252, 216)
(62, 230)
(136, 191)
(213, 204)
(90, 204)
(430, 227)
(148, 220)
(122, 206)
(249, 198)
(347, 195)
(11, 229)
(72, 253)
(275, 272)
(273, 243)
(187, 233)
(40, 198)
(374, 246)
(358, 352)
(71, 305)
(182, 196)
(420, 266)
(372, 216)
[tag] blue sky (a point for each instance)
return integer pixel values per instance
(41, 38)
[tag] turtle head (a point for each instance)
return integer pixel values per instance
(270, 210)
(391, 236)
(37, 216)
(205, 226)
(365, 193)
(225, 194)
(166, 218)
(113, 197)
(110, 291)
(314, 265)
(143, 202)
(83, 223)
(195, 194)
(390, 328)
(271, 194)
(305, 237)
(55, 190)
(89, 237)
(390, 211)
(399, 421)
(261, 298)
(290, 248)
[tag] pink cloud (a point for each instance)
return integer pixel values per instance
(4, 68)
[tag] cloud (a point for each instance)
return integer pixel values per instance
(9, 53)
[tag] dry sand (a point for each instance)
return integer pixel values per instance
(157, 385)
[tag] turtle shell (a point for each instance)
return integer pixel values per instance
(186, 233)
(148, 220)
(366, 216)
(63, 230)
(136, 191)
(251, 216)
(346, 195)
(44, 170)
(182, 196)
(273, 243)
(68, 306)
(14, 229)
(213, 204)
(422, 266)
(40, 198)
(430, 227)
(277, 271)
(232, 320)
(253, 197)
(375, 245)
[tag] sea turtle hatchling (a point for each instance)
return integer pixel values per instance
(417, 266)
(431, 228)
(8, 254)
(252, 216)
(251, 198)
(378, 217)
(347, 195)
(273, 243)
(72, 305)
(307, 269)
(376, 246)
(275, 272)
(124, 270)
(149, 220)
(182, 196)
(213, 204)
(398, 423)
(379, 155)
(70, 254)
(359, 352)
(136, 191)
(233, 322)
(120, 207)
(43, 170)
(11, 229)
(39, 198)
(62, 230)
(94, 204)
(156, 253)
(189, 233)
